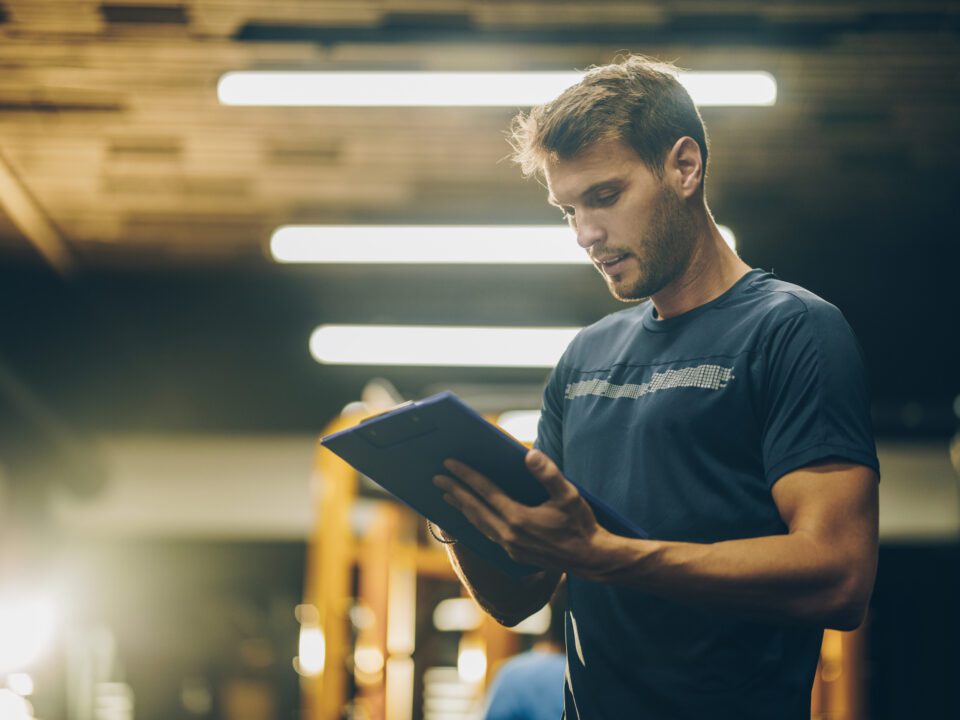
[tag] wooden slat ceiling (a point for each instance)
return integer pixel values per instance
(109, 115)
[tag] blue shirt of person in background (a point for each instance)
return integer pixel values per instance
(529, 686)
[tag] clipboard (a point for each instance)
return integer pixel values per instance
(402, 449)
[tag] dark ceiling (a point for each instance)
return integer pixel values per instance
(174, 319)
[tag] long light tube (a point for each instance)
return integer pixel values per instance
(459, 89)
(432, 244)
(417, 345)
(475, 244)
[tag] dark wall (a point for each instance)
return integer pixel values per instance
(914, 633)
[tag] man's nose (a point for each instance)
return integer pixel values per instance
(589, 233)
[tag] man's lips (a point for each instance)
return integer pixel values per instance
(612, 264)
(606, 260)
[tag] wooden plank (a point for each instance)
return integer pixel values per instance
(32, 221)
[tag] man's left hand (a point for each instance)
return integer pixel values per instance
(561, 533)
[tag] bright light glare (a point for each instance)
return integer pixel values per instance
(522, 424)
(494, 244)
(26, 627)
(368, 659)
(312, 651)
(14, 707)
(20, 683)
(459, 89)
(433, 244)
(457, 614)
(440, 346)
(471, 661)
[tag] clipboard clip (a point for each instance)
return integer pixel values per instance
(402, 405)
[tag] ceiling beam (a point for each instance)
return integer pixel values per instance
(32, 221)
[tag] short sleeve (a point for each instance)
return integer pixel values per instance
(550, 427)
(815, 396)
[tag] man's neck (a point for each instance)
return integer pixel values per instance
(713, 269)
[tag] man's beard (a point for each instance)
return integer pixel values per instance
(666, 250)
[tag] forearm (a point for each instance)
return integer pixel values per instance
(781, 578)
(506, 598)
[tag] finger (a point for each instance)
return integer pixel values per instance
(549, 475)
(480, 515)
(485, 488)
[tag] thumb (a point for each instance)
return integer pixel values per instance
(547, 472)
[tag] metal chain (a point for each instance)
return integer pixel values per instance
(437, 537)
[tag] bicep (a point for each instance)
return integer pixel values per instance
(836, 504)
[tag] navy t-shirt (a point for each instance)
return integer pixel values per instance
(684, 425)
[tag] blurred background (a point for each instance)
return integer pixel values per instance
(172, 544)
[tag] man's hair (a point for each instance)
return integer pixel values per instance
(638, 101)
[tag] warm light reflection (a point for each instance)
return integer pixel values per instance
(398, 691)
(440, 346)
(368, 659)
(472, 660)
(312, 651)
(457, 615)
(401, 609)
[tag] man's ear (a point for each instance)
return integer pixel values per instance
(684, 166)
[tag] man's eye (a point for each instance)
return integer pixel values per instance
(607, 199)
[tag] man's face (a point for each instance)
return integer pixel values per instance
(633, 225)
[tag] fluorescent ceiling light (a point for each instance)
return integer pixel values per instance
(418, 345)
(432, 244)
(754, 88)
(426, 244)
(459, 89)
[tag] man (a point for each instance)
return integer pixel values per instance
(727, 416)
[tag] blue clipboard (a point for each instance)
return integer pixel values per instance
(402, 449)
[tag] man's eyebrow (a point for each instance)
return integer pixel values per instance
(603, 184)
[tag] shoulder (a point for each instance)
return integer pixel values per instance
(783, 300)
(783, 307)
